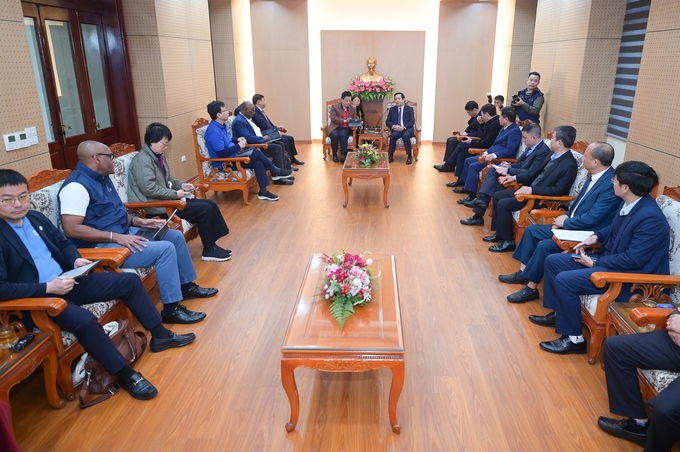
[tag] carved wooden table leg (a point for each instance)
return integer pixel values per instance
(386, 183)
(395, 392)
(289, 385)
(344, 187)
(50, 366)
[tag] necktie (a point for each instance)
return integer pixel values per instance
(584, 191)
(401, 123)
(267, 117)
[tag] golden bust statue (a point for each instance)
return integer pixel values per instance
(371, 75)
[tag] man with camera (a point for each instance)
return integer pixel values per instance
(529, 101)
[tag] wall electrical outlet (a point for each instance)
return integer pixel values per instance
(183, 158)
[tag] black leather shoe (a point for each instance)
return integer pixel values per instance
(491, 238)
(470, 203)
(472, 221)
(458, 183)
(138, 387)
(284, 182)
(183, 316)
(479, 202)
(543, 320)
(297, 162)
(174, 341)
(513, 278)
(196, 291)
(523, 295)
(444, 168)
(342, 158)
(503, 247)
(460, 191)
(409, 160)
(617, 427)
(564, 346)
(335, 159)
(468, 198)
(294, 169)
(391, 158)
(451, 184)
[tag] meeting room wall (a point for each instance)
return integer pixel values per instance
(338, 66)
(281, 62)
(464, 62)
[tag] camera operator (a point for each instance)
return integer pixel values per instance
(529, 101)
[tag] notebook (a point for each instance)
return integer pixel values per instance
(156, 233)
(81, 271)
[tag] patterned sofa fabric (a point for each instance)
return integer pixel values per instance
(208, 167)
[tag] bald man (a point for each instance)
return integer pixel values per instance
(93, 215)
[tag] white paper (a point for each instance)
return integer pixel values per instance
(572, 236)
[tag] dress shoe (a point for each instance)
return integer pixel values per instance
(138, 387)
(297, 162)
(391, 158)
(470, 203)
(174, 341)
(458, 183)
(479, 202)
(473, 221)
(444, 168)
(335, 159)
(409, 160)
(196, 291)
(294, 169)
(523, 295)
(468, 198)
(342, 158)
(503, 247)
(617, 427)
(564, 346)
(543, 320)
(460, 191)
(182, 315)
(491, 238)
(451, 184)
(513, 278)
(284, 182)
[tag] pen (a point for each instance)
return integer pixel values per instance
(59, 277)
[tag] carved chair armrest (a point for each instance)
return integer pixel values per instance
(202, 188)
(561, 199)
(568, 245)
(476, 151)
(228, 160)
(544, 214)
(257, 145)
(324, 128)
(512, 185)
(41, 311)
(647, 316)
(171, 203)
(110, 257)
(455, 132)
(283, 130)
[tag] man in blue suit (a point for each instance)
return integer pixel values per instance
(401, 121)
(262, 121)
(244, 127)
(637, 241)
(592, 210)
(506, 146)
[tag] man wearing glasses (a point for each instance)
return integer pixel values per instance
(93, 215)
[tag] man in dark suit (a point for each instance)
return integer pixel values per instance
(555, 179)
(33, 253)
(636, 242)
(524, 171)
(473, 129)
(490, 128)
(339, 130)
(401, 121)
(244, 127)
(592, 210)
(264, 123)
(623, 356)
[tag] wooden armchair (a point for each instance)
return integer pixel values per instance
(594, 307)
(652, 381)
(415, 140)
(232, 175)
(326, 140)
(124, 153)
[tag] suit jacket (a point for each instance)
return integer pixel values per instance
(507, 142)
(240, 127)
(557, 179)
(408, 117)
(474, 128)
(638, 242)
(490, 131)
(528, 167)
(597, 208)
(262, 121)
(18, 273)
(336, 116)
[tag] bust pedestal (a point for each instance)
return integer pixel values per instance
(373, 110)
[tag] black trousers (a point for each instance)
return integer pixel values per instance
(97, 287)
(205, 214)
(341, 135)
(504, 203)
(289, 144)
(458, 156)
(490, 186)
(623, 355)
(275, 151)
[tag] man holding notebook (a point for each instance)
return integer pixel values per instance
(94, 216)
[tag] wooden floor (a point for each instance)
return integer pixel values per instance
(475, 377)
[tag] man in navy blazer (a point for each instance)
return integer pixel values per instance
(524, 171)
(592, 210)
(243, 126)
(506, 146)
(401, 121)
(262, 121)
(637, 241)
(33, 253)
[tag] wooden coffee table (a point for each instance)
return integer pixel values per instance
(376, 138)
(353, 169)
(372, 337)
(619, 321)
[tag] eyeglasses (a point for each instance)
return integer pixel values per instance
(10, 201)
(110, 156)
(224, 111)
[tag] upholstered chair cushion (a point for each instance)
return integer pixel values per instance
(121, 169)
(660, 379)
(46, 202)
